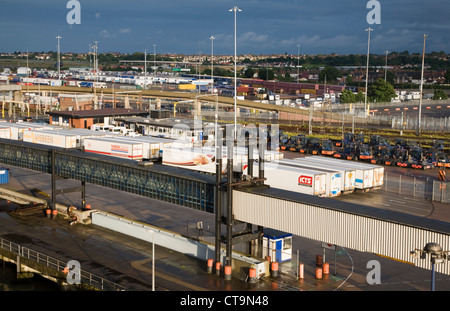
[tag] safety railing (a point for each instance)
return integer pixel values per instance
(84, 277)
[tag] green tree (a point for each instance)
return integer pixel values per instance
(381, 91)
(359, 97)
(330, 73)
(347, 97)
(265, 74)
(439, 94)
(447, 76)
(249, 73)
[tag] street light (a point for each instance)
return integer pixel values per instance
(212, 63)
(437, 255)
(385, 68)
(421, 86)
(59, 62)
(298, 62)
(367, 72)
(235, 10)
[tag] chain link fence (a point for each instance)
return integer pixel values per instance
(428, 189)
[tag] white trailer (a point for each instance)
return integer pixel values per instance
(17, 129)
(114, 147)
(153, 147)
(5, 133)
(348, 174)
(368, 176)
(50, 138)
(296, 179)
(334, 177)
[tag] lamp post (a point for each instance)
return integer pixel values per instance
(154, 57)
(235, 10)
(298, 62)
(59, 62)
(212, 63)
(436, 254)
(367, 72)
(421, 86)
(145, 69)
(385, 67)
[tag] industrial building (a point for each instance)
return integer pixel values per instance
(86, 118)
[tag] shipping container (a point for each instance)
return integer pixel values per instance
(203, 159)
(114, 147)
(81, 134)
(334, 177)
(17, 129)
(367, 176)
(295, 179)
(50, 138)
(153, 147)
(5, 132)
(348, 174)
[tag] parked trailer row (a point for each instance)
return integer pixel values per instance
(348, 180)
(334, 179)
(367, 177)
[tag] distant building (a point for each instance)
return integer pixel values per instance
(23, 71)
(74, 102)
(86, 118)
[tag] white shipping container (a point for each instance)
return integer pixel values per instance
(50, 138)
(114, 147)
(295, 179)
(348, 174)
(17, 129)
(333, 181)
(367, 176)
(5, 132)
(202, 159)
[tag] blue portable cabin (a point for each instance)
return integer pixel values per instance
(4, 175)
(277, 245)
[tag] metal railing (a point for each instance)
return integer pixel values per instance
(428, 189)
(86, 278)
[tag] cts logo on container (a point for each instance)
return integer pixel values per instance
(305, 181)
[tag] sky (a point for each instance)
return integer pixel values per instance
(262, 27)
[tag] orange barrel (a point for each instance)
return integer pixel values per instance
(227, 272)
(252, 275)
(87, 206)
(274, 269)
(54, 213)
(218, 267)
(48, 212)
(210, 266)
(318, 272)
(318, 260)
(301, 270)
(326, 268)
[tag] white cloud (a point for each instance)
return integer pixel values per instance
(124, 30)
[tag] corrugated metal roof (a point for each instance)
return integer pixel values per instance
(352, 208)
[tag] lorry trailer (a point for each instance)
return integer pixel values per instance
(368, 176)
(114, 147)
(348, 174)
(334, 182)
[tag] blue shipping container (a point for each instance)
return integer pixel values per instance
(4, 176)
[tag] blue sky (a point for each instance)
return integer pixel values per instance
(263, 27)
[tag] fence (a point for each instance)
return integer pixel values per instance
(428, 189)
(86, 278)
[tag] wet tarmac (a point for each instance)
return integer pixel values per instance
(128, 261)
